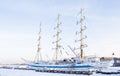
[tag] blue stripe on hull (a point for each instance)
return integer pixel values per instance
(84, 66)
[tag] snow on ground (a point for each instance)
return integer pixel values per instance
(13, 72)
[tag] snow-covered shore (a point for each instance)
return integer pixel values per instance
(14, 72)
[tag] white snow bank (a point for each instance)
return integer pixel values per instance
(13, 72)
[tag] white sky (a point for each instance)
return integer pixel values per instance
(20, 19)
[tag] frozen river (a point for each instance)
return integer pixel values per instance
(13, 72)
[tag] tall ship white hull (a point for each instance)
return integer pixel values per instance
(60, 66)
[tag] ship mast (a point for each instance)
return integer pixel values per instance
(58, 31)
(82, 28)
(38, 46)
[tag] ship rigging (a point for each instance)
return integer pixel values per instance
(80, 33)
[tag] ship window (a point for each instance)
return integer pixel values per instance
(118, 61)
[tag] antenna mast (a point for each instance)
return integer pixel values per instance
(81, 45)
(38, 46)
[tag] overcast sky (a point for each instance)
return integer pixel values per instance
(20, 19)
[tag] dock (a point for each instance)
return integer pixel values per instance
(84, 72)
(102, 72)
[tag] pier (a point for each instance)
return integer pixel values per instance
(84, 72)
(112, 72)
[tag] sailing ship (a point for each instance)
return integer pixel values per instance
(77, 62)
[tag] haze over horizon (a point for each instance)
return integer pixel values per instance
(19, 27)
